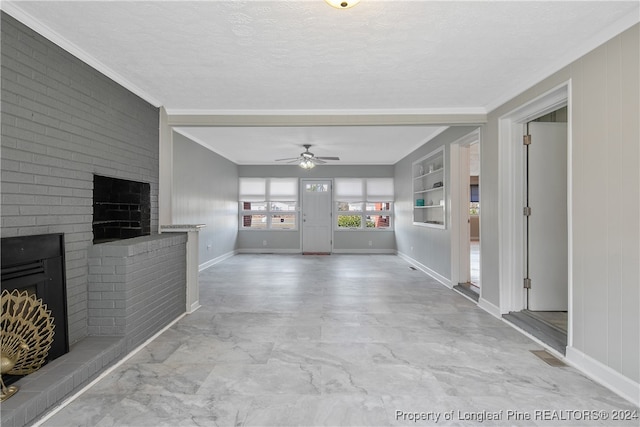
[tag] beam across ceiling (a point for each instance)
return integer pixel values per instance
(251, 120)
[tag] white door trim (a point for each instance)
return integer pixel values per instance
(459, 177)
(511, 196)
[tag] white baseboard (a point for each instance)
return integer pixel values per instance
(490, 308)
(426, 270)
(196, 305)
(604, 375)
(268, 251)
(216, 260)
(365, 251)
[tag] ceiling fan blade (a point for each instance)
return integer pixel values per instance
(308, 156)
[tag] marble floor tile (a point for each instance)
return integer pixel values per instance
(295, 410)
(274, 377)
(340, 340)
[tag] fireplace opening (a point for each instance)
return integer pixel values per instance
(121, 209)
(36, 264)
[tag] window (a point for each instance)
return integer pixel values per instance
(364, 203)
(378, 214)
(268, 203)
(474, 205)
(317, 188)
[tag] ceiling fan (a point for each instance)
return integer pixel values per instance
(307, 159)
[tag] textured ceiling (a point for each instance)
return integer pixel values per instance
(283, 57)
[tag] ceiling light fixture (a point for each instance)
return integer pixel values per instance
(342, 4)
(307, 163)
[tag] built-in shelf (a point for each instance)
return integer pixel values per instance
(429, 190)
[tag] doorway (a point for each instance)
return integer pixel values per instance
(465, 215)
(316, 216)
(474, 216)
(545, 230)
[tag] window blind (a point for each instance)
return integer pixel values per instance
(380, 190)
(349, 190)
(283, 189)
(252, 190)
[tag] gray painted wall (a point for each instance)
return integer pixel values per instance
(343, 241)
(604, 112)
(62, 121)
(205, 191)
(431, 247)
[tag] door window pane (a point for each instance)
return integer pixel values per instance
(317, 188)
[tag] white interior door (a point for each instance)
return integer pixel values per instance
(316, 216)
(547, 230)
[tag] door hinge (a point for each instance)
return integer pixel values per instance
(526, 140)
(527, 283)
(526, 211)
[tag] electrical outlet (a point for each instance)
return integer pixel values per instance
(370, 243)
(264, 243)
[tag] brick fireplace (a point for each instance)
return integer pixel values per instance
(51, 152)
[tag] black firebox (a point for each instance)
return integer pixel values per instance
(36, 264)
(121, 209)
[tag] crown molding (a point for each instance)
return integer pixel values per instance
(14, 10)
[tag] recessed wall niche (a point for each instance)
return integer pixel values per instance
(121, 209)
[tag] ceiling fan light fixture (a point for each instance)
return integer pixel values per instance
(307, 160)
(342, 4)
(307, 164)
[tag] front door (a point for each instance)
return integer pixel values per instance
(547, 236)
(316, 216)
